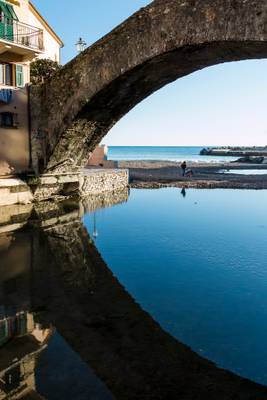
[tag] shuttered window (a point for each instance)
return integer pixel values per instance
(2, 74)
(7, 16)
(19, 76)
(5, 9)
(6, 74)
(11, 11)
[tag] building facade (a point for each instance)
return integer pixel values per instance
(99, 158)
(24, 37)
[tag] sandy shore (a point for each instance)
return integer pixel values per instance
(154, 174)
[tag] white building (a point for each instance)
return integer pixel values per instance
(24, 37)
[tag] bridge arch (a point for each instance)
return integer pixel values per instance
(162, 42)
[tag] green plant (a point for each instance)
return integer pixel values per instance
(33, 180)
(43, 69)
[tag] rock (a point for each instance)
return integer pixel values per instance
(251, 160)
(204, 152)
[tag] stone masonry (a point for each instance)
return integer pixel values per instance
(91, 182)
(97, 181)
(162, 42)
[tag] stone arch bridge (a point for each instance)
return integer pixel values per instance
(162, 42)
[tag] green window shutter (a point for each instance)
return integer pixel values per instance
(1, 74)
(12, 12)
(6, 24)
(5, 9)
(19, 76)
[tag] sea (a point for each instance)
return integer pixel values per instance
(164, 153)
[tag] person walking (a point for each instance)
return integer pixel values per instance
(183, 166)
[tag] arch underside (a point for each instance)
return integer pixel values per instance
(110, 104)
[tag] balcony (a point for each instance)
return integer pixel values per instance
(20, 40)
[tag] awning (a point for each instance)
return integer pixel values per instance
(5, 96)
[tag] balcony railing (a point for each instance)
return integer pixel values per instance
(21, 34)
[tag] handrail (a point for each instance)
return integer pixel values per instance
(21, 33)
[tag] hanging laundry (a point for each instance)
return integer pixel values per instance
(5, 96)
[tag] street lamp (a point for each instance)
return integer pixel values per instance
(80, 45)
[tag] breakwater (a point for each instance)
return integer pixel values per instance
(234, 151)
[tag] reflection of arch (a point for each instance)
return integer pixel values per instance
(126, 348)
(71, 287)
(162, 42)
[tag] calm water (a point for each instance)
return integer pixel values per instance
(197, 262)
(178, 153)
(244, 171)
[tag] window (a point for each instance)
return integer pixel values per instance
(1, 74)
(6, 76)
(11, 11)
(19, 76)
(8, 120)
(12, 75)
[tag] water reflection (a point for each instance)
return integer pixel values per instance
(26, 330)
(183, 192)
(70, 330)
(24, 341)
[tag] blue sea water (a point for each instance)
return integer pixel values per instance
(178, 153)
(196, 261)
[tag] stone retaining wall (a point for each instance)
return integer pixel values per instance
(97, 181)
(91, 182)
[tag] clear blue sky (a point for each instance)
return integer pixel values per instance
(221, 105)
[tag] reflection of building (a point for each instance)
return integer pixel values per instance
(21, 342)
(22, 339)
(16, 325)
(24, 37)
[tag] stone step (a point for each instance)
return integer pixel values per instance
(14, 191)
